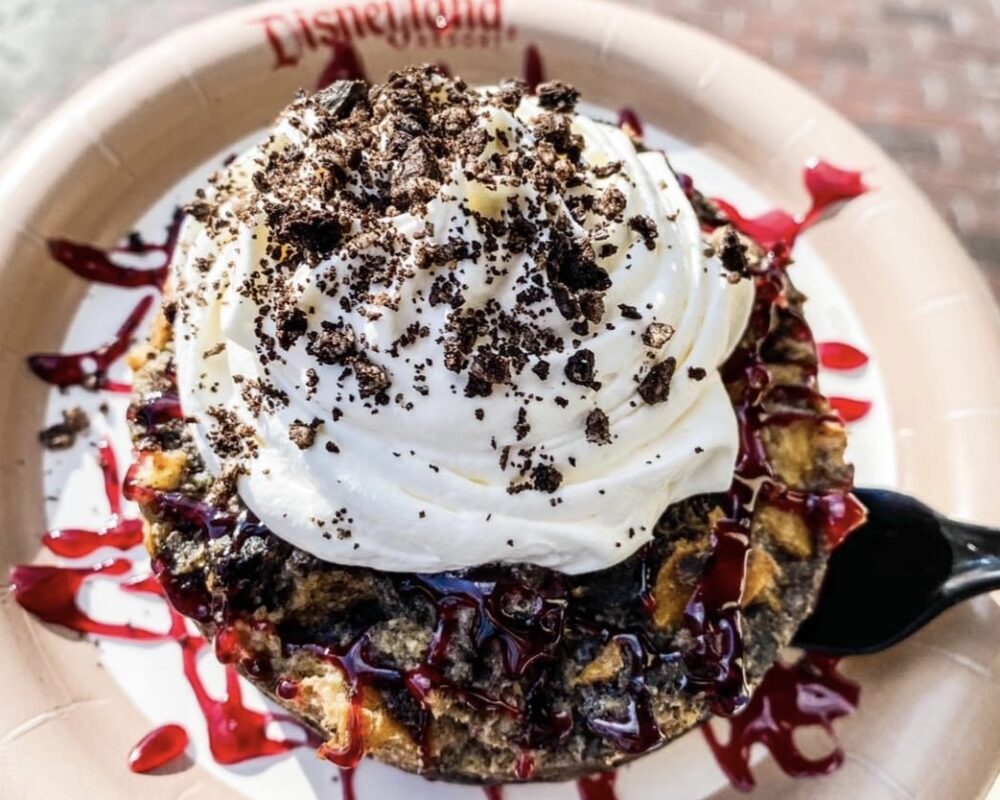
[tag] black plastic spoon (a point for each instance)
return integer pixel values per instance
(894, 575)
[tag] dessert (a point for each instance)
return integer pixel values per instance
(476, 437)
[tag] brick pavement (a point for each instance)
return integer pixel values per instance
(922, 77)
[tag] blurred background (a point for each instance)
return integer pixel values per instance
(921, 77)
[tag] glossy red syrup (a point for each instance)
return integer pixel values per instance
(839, 515)
(841, 357)
(827, 185)
(235, 733)
(629, 120)
(344, 65)
(597, 787)
(77, 542)
(100, 266)
(156, 409)
(118, 532)
(50, 593)
(849, 409)
(832, 515)
(533, 70)
(158, 748)
(525, 767)
(713, 616)
(360, 673)
(493, 792)
(526, 622)
(808, 693)
(638, 733)
(347, 785)
(209, 520)
(526, 636)
(90, 369)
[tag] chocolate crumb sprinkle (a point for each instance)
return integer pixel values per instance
(546, 478)
(598, 428)
(655, 387)
(647, 230)
(303, 434)
(62, 435)
(580, 368)
(657, 334)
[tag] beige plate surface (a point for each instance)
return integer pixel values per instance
(931, 725)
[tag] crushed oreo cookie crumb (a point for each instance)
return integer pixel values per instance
(655, 387)
(598, 427)
(62, 435)
(657, 334)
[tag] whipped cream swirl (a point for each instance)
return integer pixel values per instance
(429, 327)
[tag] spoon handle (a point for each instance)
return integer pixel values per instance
(976, 553)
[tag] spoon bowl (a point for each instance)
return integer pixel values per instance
(896, 573)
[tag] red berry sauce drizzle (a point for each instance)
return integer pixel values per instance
(90, 368)
(807, 693)
(158, 748)
(629, 120)
(101, 266)
(597, 787)
(118, 532)
(235, 732)
(810, 692)
(828, 186)
(347, 785)
(840, 356)
(524, 639)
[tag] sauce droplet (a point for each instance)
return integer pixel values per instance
(597, 787)
(534, 69)
(840, 356)
(629, 120)
(849, 409)
(158, 748)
